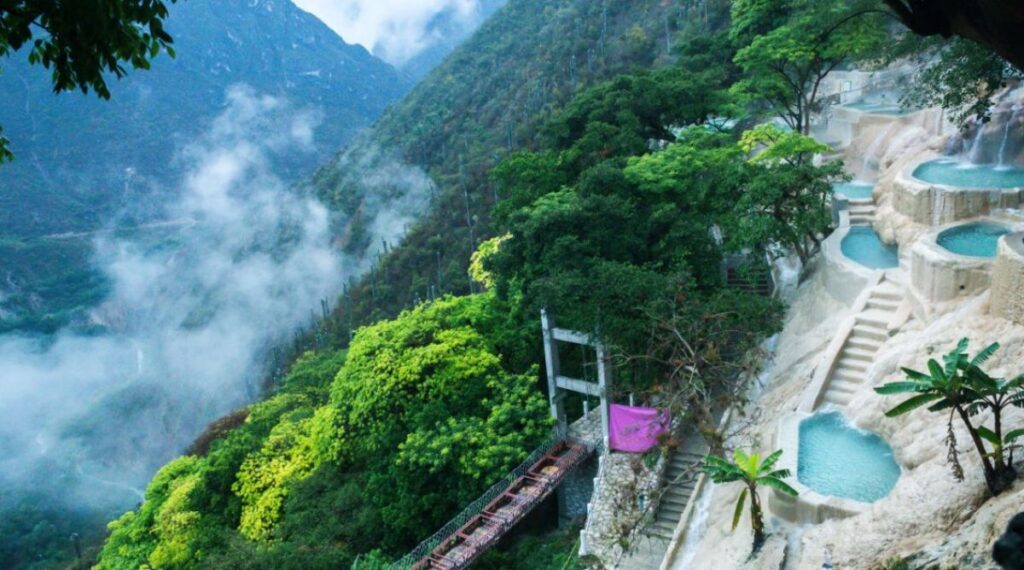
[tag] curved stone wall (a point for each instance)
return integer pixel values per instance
(1008, 279)
(844, 279)
(808, 506)
(938, 275)
(935, 204)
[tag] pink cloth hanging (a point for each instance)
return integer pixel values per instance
(636, 429)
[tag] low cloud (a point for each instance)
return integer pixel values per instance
(394, 30)
(197, 305)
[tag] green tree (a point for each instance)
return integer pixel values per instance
(81, 42)
(787, 47)
(786, 196)
(752, 472)
(962, 387)
(958, 75)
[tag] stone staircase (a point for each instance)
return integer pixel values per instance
(682, 469)
(862, 212)
(680, 476)
(752, 280)
(869, 333)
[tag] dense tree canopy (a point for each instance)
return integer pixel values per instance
(786, 49)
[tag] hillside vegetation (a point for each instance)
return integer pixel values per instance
(577, 167)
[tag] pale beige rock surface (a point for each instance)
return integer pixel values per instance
(927, 509)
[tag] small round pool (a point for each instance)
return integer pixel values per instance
(856, 190)
(840, 460)
(967, 175)
(863, 245)
(980, 239)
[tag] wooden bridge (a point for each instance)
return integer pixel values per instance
(484, 522)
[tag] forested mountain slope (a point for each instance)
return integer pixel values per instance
(372, 441)
(81, 160)
(488, 99)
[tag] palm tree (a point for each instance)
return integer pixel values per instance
(963, 388)
(752, 472)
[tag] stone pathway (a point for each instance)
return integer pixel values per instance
(862, 212)
(680, 478)
(869, 333)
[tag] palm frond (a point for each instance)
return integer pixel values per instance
(778, 484)
(985, 354)
(739, 508)
(913, 403)
(899, 388)
(769, 461)
(916, 375)
(988, 435)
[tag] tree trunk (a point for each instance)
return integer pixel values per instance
(990, 473)
(756, 517)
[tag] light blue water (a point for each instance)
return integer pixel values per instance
(839, 460)
(864, 246)
(979, 239)
(856, 190)
(966, 175)
(878, 107)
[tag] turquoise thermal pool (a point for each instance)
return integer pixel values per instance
(863, 245)
(878, 107)
(856, 190)
(838, 460)
(980, 239)
(967, 175)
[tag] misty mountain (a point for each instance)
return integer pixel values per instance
(449, 30)
(79, 160)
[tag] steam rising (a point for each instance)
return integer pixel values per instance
(196, 306)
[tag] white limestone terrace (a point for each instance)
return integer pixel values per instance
(850, 329)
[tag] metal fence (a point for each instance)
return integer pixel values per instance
(426, 547)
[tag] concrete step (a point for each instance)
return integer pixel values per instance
(847, 374)
(886, 305)
(893, 294)
(873, 319)
(838, 398)
(861, 220)
(678, 499)
(863, 344)
(847, 363)
(856, 353)
(868, 331)
(844, 385)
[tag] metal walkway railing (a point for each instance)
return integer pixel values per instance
(483, 522)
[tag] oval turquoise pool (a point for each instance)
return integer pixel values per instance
(863, 245)
(966, 175)
(855, 190)
(839, 460)
(979, 239)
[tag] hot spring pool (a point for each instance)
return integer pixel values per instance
(856, 190)
(980, 239)
(863, 245)
(878, 107)
(965, 175)
(839, 460)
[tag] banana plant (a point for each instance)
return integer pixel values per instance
(752, 472)
(961, 386)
